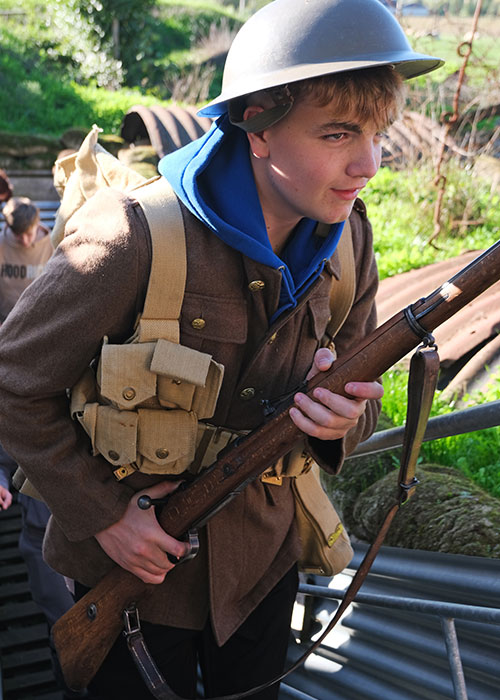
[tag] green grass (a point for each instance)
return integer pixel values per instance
(476, 454)
(401, 208)
(50, 70)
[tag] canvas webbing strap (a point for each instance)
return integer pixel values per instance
(167, 279)
(343, 289)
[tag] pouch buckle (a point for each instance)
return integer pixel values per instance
(269, 478)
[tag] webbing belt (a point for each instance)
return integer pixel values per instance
(424, 368)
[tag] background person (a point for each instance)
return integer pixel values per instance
(25, 248)
(6, 190)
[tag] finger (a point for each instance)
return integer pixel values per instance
(150, 569)
(314, 429)
(163, 488)
(150, 576)
(326, 408)
(176, 548)
(5, 500)
(323, 359)
(365, 390)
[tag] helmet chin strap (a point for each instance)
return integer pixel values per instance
(281, 96)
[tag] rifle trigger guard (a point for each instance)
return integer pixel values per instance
(193, 544)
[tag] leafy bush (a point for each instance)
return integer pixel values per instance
(57, 54)
(46, 104)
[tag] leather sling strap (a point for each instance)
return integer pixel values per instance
(167, 279)
(424, 369)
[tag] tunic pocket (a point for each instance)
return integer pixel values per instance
(319, 314)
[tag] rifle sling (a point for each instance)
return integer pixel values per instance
(424, 368)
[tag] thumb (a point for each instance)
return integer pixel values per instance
(323, 360)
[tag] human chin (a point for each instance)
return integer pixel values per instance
(336, 214)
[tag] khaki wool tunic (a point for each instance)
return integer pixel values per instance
(95, 286)
(19, 266)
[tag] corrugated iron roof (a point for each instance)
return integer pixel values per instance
(470, 337)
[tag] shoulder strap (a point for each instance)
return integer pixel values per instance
(342, 290)
(167, 279)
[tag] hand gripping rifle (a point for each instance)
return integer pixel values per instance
(84, 635)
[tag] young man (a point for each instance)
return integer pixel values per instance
(297, 137)
(25, 248)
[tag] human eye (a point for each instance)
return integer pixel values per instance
(336, 136)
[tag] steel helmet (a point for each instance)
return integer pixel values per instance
(290, 40)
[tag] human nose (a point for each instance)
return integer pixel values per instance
(366, 159)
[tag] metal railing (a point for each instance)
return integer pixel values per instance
(467, 420)
(445, 611)
(399, 640)
(425, 626)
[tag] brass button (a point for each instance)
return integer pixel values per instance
(198, 323)
(128, 393)
(176, 381)
(247, 393)
(272, 338)
(256, 285)
(113, 455)
(161, 453)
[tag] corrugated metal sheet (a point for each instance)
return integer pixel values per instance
(167, 129)
(380, 653)
(25, 660)
(376, 653)
(470, 340)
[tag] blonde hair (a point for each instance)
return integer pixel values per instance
(20, 213)
(372, 94)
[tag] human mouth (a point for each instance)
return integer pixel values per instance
(347, 195)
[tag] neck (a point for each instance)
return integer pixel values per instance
(279, 224)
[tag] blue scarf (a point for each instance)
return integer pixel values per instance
(213, 177)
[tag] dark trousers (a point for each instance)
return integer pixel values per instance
(254, 654)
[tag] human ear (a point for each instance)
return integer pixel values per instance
(257, 140)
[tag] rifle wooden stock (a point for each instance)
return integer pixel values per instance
(84, 635)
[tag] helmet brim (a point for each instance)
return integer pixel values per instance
(408, 65)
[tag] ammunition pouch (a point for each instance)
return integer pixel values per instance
(142, 408)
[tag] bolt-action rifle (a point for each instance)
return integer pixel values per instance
(84, 635)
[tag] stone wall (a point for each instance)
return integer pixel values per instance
(28, 159)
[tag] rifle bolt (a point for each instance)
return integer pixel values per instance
(92, 611)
